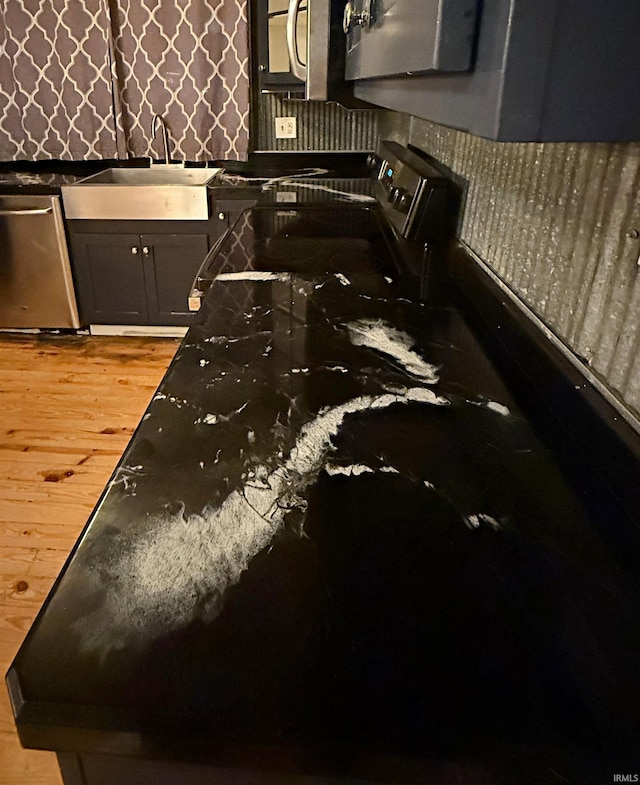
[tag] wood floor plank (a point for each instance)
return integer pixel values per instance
(80, 442)
(67, 404)
(58, 454)
(81, 406)
(17, 590)
(57, 471)
(65, 383)
(88, 380)
(132, 356)
(56, 496)
(32, 521)
(97, 417)
(17, 559)
(26, 767)
(16, 619)
(47, 563)
(40, 535)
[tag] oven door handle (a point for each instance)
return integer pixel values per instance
(27, 211)
(298, 68)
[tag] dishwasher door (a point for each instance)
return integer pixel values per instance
(36, 285)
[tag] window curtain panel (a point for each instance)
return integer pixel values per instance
(55, 80)
(186, 60)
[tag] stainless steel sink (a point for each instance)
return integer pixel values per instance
(159, 193)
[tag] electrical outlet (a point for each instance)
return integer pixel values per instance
(286, 128)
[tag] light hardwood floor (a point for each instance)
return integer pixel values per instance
(68, 406)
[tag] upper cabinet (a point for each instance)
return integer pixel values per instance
(509, 70)
(410, 37)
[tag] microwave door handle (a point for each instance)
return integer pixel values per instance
(298, 68)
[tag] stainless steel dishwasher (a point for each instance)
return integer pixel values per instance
(36, 285)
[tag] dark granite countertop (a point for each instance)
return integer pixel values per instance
(48, 176)
(335, 538)
(44, 177)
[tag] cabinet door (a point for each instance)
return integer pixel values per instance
(171, 263)
(110, 278)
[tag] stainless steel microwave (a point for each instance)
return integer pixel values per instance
(316, 44)
(331, 42)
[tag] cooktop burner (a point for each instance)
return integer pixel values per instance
(356, 263)
(287, 249)
(314, 241)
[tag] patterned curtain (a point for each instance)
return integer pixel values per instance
(55, 86)
(186, 60)
(82, 80)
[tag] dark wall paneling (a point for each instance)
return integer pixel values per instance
(560, 224)
(320, 126)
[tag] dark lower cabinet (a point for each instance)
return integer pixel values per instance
(85, 769)
(136, 278)
(110, 280)
(112, 770)
(171, 262)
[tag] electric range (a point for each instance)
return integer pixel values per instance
(388, 224)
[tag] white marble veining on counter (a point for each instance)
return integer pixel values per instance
(327, 526)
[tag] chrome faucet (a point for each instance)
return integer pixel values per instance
(158, 118)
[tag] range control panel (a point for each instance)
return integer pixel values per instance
(414, 194)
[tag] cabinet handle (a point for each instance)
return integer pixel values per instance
(298, 68)
(134, 249)
(146, 250)
(28, 211)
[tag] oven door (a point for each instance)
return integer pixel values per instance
(316, 45)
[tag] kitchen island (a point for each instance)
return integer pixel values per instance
(336, 550)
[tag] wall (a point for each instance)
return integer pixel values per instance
(560, 223)
(320, 126)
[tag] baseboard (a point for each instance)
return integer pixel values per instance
(138, 329)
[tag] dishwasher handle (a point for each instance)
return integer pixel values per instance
(28, 211)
